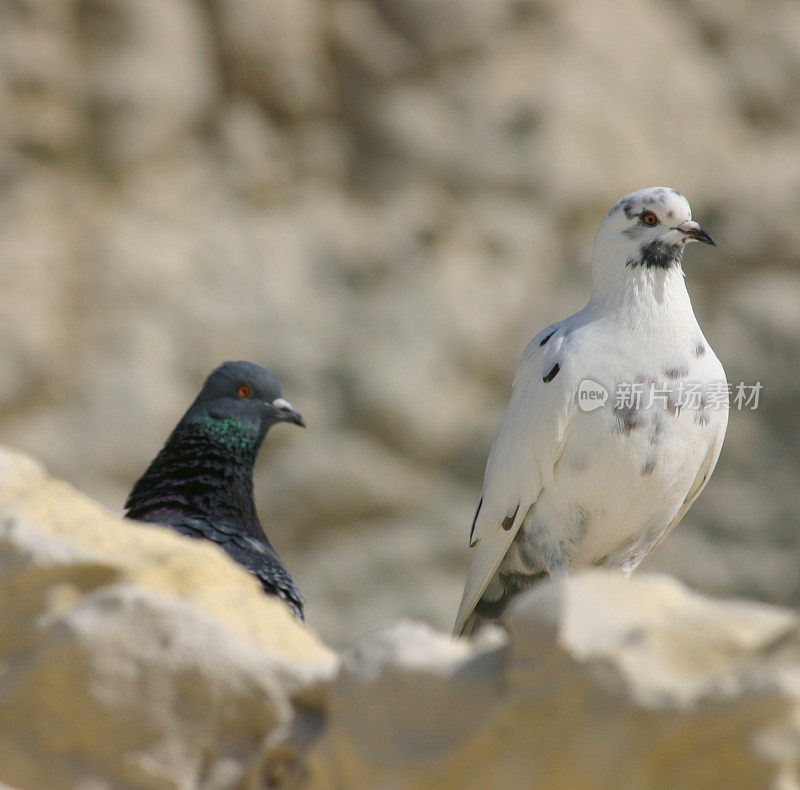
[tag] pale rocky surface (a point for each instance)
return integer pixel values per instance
(383, 201)
(131, 657)
(602, 683)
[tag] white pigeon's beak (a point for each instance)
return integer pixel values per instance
(285, 411)
(694, 232)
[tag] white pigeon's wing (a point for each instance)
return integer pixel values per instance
(704, 473)
(528, 445)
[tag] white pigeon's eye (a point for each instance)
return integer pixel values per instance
(649, 218)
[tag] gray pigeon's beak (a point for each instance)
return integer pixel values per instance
(694, 232)
(286, 413)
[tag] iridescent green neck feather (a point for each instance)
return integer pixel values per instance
(241, 437)
(204, 469)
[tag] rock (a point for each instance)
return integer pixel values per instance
(124, 686)
(133, 656)
(602, 682)
(383, 201)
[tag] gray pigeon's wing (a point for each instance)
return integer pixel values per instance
(257, 556)
(522, 460)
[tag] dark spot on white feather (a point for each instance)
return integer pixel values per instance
(547, 337)
(657, 254)
(700, 350)
(656, 427)
(649, 467)
(627, 419)
(634, 231)
(701, 416)
(673, 406)
(508, 521)
(627, 205)
(552, 374)
(474, 521)
(677, 372)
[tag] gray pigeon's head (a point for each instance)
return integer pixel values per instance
(649, 228)
(243, 394)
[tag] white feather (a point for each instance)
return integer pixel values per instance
(522, 458)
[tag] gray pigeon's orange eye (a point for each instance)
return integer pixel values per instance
(649, 218)
(244, 391)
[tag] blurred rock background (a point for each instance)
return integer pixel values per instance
(382, 202)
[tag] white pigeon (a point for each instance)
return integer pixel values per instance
(575, 479)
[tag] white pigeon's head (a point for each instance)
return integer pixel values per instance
(647, 229)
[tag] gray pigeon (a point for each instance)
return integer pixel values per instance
(201, 483)
(615, 423)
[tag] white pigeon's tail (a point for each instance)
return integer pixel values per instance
(489, 609)
(485, 560)
(469, 626)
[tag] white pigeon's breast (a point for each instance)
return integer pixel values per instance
(629, 464)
